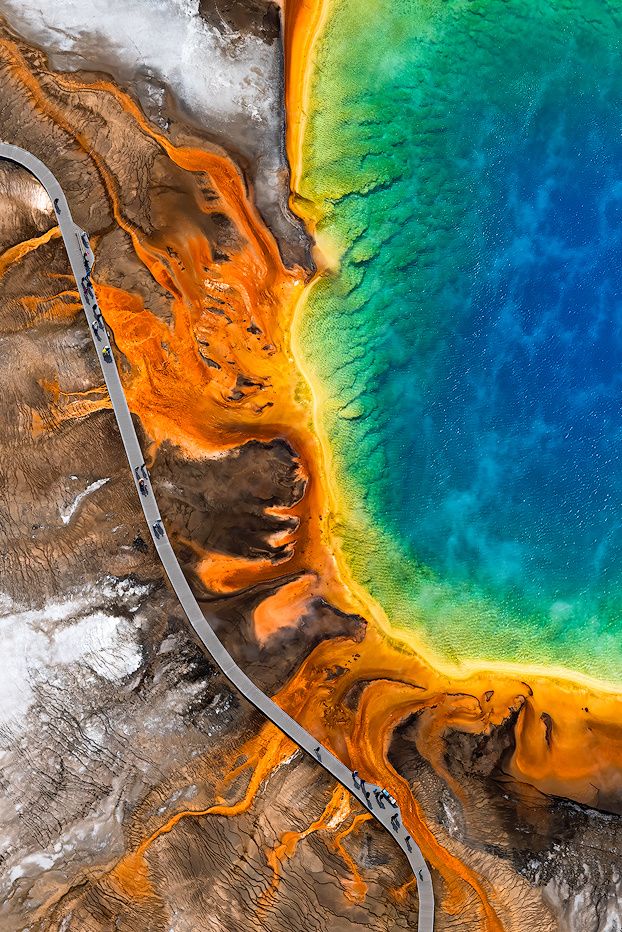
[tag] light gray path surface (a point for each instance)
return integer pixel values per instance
(81, 258)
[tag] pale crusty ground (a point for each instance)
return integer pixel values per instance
(217, 65)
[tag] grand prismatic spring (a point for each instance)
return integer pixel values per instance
(360, 267)
(467, 176)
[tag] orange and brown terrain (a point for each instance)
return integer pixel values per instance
(140, 792)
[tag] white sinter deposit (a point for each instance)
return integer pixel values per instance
(230, 83)
(213, 75)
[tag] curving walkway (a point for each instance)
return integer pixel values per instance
(383, 808)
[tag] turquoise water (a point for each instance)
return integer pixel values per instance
(468, 160)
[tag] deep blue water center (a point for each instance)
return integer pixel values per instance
(513, 432)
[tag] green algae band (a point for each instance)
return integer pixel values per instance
(466, 158)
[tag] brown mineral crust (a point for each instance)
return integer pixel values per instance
(312, 893)
(211, 721)
(555, 860)
(24, 209)
(271, 665)
(226, 505)
(221, 504)
(258, 17)
(45, 345)
(214, 873)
